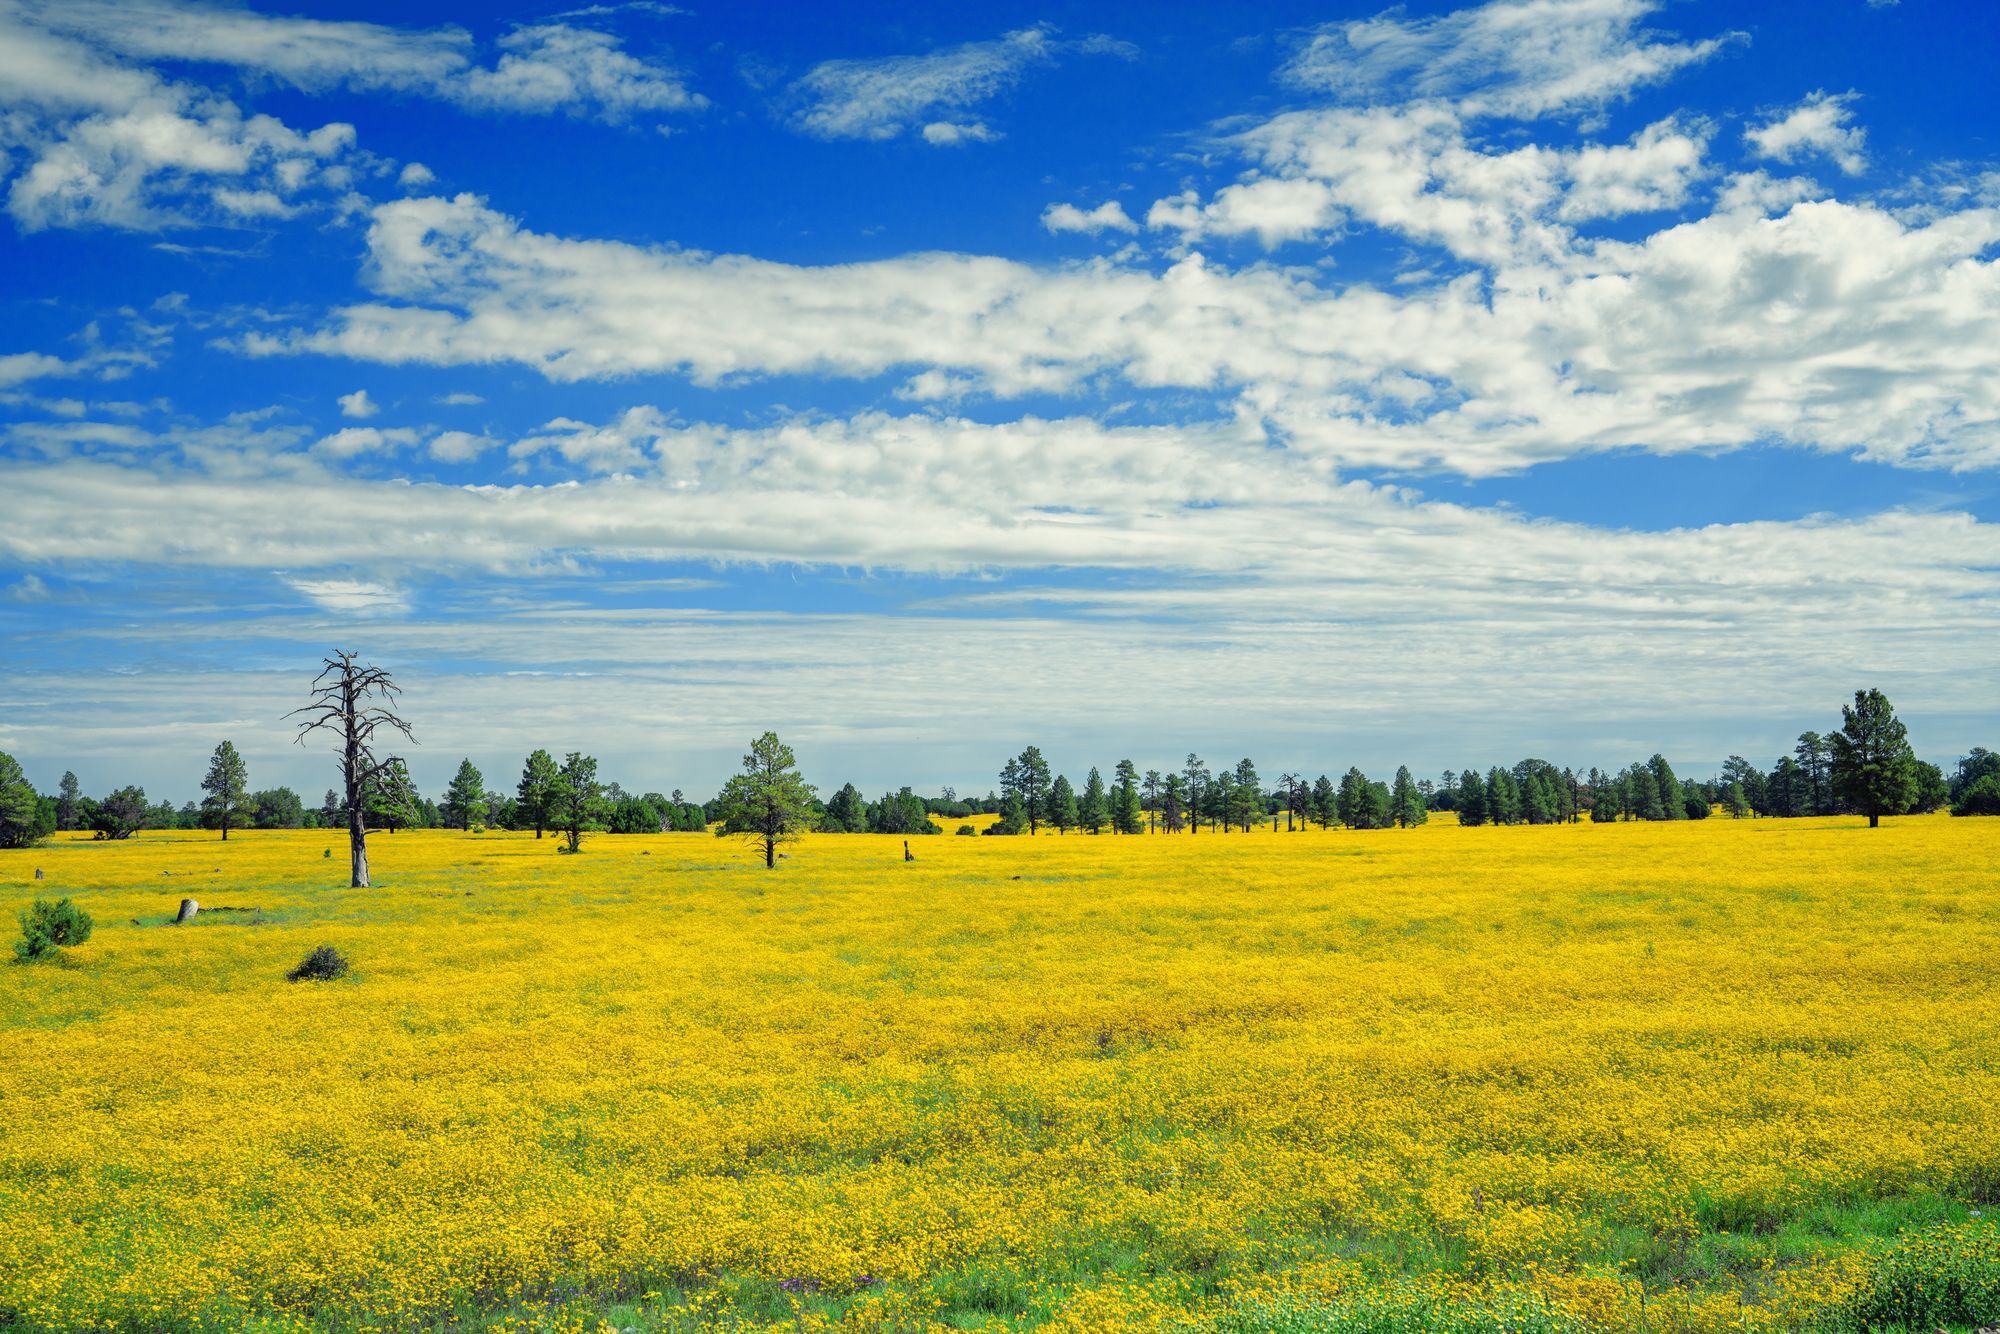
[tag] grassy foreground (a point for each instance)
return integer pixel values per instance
(1716, 1076)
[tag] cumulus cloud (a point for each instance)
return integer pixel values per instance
(20, 367)
(1108, 216)
(460, 446)
(111, 144)
(1837, 326)
(351, 441)
(946, 134)
(415, 176)
(1820, 125)
(357, 404)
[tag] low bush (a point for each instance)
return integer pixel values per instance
(967, 829)
(1947, 1276)
(47, 927)
(323, 965)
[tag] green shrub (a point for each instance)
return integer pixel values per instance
(323, 965)
(1395, 1308)
(1982, 798)
(967, 829)
(47, 927)
(1946, 1276)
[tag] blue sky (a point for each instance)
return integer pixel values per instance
(1331, 384)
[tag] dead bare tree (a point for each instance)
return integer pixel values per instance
(341, 704)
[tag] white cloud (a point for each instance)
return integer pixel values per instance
(350, 441)
(358, 404)
(28, 588)
(887, 96)
(1818, 125)
(1835, 326)
(540, 67)
(20, 367)
(415, 176)
(1274, 556)
(461, 400)
(460, 446)
(1108, 216)
(109, 144)
(553, 67)
(352, 597)
(1519, 58)
(947, 134)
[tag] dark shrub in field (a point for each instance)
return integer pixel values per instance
(323, 965)
(47, 927)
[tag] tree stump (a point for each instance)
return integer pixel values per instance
(38, 873)
(188, 909)
(906, 851)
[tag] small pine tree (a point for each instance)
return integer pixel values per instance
(48, 927)
(226, 785)
(768, 802)
(464, 802)
(1062, 805)
(1127, 815)
(1091, 812)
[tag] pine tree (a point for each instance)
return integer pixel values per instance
(536, 792)
(1812, 761)
(1869, 761)
(1090, 810)
(1062, 805)
(465, 800)
(1196, 774)
(1406, 803)
(1352, 800)
(1644, 801)
(1325, 803)
(847, 813)
(69, 803)
(577, 803)
(1671, 799)
(768, 802)
(1471, 798)
(227, 787)
(1127, 816)
(1247, 795)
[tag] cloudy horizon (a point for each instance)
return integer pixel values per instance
(1430, 385)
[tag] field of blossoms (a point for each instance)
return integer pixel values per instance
(1696, 1076)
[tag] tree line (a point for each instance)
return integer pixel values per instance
(1864, 767)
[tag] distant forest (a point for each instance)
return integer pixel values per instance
(1866, 767)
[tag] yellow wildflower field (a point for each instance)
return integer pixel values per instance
(1673, 1076)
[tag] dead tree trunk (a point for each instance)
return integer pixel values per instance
(188, 909)
(341, 704)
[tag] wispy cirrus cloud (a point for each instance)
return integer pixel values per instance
(1517, 58)
(935, 94)
(536, 68)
